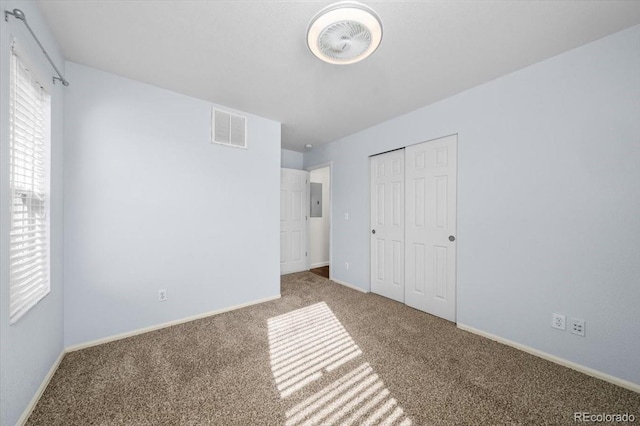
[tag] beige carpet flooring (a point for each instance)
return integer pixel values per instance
(321, 354)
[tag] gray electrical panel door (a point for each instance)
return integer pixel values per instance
(316, 199)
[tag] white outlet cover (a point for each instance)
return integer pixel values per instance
(559, 322)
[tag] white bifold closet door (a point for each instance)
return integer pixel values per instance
(413, 226)
(294, 212)
(387, 224)
(430, 227)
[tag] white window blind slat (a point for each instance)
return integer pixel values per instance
(17, 229)
(29, 287)
(28, 256)
(22, 153)
(27, 283)
(22, 220)
(23, 172)
(24, 256)
(23, 245)
(21, 215)
(27, 268)
(29, 233)
(24, 145)
(28, 300)
(20, 243)
(32, 278)
(23, 163)
(26, 296)
(25, 251)
(27, 236)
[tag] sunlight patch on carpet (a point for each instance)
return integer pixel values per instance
(308, 343)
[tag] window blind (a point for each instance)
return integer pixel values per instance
(28, 237)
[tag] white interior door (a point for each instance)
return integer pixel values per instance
(387, 224)
(294, 206)
(430, 274)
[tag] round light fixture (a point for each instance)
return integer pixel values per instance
(344, 33)
(308, 146)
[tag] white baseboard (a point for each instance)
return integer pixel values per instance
(556, 359)
(319, 264)
(351, 286)
(165, 325)
(36, 397)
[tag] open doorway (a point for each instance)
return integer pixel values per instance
(320, 221)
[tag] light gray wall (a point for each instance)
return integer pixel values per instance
(30, 346)
(548, 201)
(152, 204)
(291, 159)
(319, 226)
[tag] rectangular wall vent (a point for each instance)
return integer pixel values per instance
(229, 129)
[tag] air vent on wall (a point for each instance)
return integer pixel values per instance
(229, 129)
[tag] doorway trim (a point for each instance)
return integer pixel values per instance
(309, 169)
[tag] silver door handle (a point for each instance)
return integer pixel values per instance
(452, 238)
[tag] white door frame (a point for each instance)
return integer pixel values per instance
(331, 215)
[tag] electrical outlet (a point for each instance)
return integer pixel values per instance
(558, 322)
(162, 295)
(346, 265)
(346, 216)
(577, 326)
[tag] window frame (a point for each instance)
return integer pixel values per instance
(17, 58)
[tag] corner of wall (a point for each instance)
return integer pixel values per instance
(32, 347)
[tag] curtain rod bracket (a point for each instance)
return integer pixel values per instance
(18, 14)
(61, 80)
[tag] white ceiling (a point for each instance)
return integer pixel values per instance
(252, 56)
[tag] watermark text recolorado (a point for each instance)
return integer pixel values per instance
(587, 417)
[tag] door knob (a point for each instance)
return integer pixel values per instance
(452, 238)
(373, 231)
